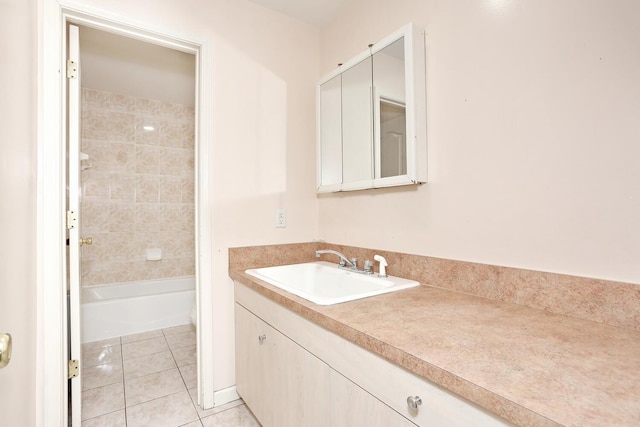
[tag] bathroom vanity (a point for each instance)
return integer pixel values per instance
(292, 372)
(426, 356)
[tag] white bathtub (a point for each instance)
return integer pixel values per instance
(119, 309)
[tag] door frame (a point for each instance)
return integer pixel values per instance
(51, 363)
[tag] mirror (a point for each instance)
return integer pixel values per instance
(371, 117)
(330, 128)
(357, 124)
(390, 110)
(392, 141)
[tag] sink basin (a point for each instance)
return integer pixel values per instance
(325, 283)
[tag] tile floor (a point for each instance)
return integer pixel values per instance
(149, 380)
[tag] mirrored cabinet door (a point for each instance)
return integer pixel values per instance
(330, 133)
(389, 102)
(381, 123)
(357, 126)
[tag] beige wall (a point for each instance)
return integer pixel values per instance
(533, 135)
(138, 189)
(18, 209)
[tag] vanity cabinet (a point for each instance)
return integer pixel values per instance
(282, 383)
(292, 372)
(371, 117)
(285, 385)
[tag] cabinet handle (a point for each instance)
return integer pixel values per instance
(414, 402)
(261, 338)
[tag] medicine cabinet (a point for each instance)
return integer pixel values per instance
(371, 117)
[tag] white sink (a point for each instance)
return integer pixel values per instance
(325, 283)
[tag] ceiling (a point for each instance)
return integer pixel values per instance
(315, 12)
(114, 63)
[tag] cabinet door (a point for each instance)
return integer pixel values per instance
(282, 383)
(301, 386)
(252, 368)
(352, 406)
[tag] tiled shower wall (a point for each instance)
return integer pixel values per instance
(137, 188)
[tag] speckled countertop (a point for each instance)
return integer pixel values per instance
(528, 366)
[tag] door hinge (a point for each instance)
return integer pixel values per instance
(74, 368)
(72, 69)
(72, 219)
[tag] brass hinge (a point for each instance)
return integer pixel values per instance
(74, 368)
(72, 219)
(72, 69)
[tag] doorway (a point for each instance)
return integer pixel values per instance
(135, 176)
(52, 270)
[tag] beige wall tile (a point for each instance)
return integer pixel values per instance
(96, 184)
(95, 216)
(170, 189)
(147, 136)
(122, 103)
(147, 188)
(171, 161)
(121, 217)
(94, 99)
(146, 106)
(188, 189)
(147, 159)
(123, 186)
(171, 133)
(188, 134)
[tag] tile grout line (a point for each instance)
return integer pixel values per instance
(124, 390)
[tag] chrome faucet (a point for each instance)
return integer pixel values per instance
(346, 263)
(343, 259)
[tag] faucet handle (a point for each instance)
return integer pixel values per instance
(354, 262)
(368, 266)
(383, 263)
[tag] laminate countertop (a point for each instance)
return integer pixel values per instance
(530, 367)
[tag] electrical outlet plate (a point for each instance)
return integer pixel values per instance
(281, 218)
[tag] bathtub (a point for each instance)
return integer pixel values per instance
(119, 309)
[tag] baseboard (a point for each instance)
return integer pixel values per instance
(224, 396)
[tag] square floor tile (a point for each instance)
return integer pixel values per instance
(143, 348)
(113, 419)
(181, 339)
(101, 375)
(102, 400)
(189, 375)
(240, 416)
(193, 424)
(168, 411)
(152, 386)
(100, 355)
(185, 355)
(145, 365)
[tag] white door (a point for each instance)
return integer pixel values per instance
(73, 216)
